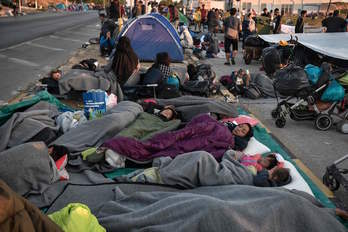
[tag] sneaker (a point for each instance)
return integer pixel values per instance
(227, 63)
(232, 61)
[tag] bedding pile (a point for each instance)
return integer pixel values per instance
(186, 165)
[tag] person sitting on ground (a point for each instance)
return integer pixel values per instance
(52, 81)
(125, 61)
(107, 43)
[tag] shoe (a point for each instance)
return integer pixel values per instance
(227, 63)
(233, 62)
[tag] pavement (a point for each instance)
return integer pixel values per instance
(35, 44)
(315, 149)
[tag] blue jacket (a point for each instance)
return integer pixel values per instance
(104, 42)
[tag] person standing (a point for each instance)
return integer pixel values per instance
(300, 22)
(204, 15)
(173, 15)
(213, 21)
(232, 27)
(265, 13)
(248, 27)
(334, 23)
(277, 21)
(115, 11)
(197, 18)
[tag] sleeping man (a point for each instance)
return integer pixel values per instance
(200, 168)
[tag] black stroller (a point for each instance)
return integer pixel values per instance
(334, 176)
(292, 83)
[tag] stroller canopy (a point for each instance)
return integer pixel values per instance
(152, 33)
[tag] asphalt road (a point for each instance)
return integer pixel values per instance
(30, 46)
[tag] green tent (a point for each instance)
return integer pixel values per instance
(182, 18)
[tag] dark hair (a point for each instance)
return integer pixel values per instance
(55, 71)
(281, 176)
(163, 58)
(233, 11)
(248, 15)
(303, 12)
(336, 12)
(264, 9)
(124, 45)
(276, 9)
(272, 158)
(250, 132)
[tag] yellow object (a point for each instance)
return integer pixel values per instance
(283, 43)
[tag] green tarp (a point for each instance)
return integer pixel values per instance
(7, 110)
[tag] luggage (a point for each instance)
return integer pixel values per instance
(254, 41)
(167, 91)
(252, 92)
(271, 60)
(289, 80)
(199, 88)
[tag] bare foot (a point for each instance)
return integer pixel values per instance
(341, 213)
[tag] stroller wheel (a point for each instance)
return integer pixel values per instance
(323, 122)
(280, 122)
(274, 113)
(331, 182)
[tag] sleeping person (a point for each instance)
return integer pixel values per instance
(203, 133)
(200, 168)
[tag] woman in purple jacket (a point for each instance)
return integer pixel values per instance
(203, 133)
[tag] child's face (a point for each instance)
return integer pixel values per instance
(264, 162)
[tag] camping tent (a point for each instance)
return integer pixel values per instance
(151, 34)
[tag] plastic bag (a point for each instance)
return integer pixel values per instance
(334, 92)
(94, 102)
(313, 73)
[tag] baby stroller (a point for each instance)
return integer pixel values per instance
(333, 176)
(292, 83)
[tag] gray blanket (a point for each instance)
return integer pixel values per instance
(84, 80)
(81, 80)
(222, 208)
(93, 133)
(23, 126)
(194, 169)
(27, 168)
(191, 106)
(264, 83)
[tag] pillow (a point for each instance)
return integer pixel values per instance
(242, 119)
(255, 147)
(297, 181)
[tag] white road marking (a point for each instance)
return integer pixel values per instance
(43, 46)
(24, 62)
(67, 39)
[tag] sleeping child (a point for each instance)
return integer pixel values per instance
(267, 171)
(199, 168)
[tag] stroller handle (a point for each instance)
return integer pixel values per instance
(341, 159)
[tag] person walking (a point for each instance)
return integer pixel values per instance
(277, 21)
(115, 11)
(213, 21)
(300, 22)
(334, 23)
(232, 27)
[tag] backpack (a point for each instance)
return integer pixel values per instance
(88, 64)
(199, 88)
(252, 92)
(167, 91)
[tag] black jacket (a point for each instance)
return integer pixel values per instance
(299, 25)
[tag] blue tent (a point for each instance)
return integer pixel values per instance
(152, 33)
